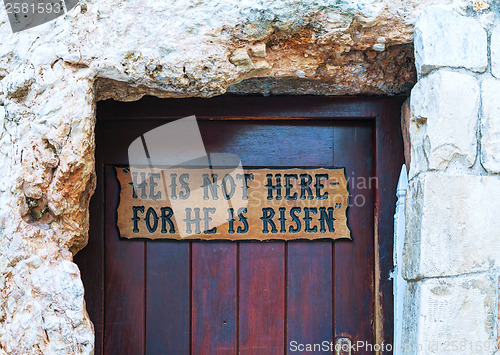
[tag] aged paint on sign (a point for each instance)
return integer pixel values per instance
(256, 204)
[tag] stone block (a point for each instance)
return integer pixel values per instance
(445, 39)
(495, 51)
(443, 127)
(453, 316)
(452, 225)
(490, 126)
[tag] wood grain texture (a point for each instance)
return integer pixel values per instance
(167, 298)
(309, 293)
(124, 302)
(213, 288)
(262, 298)
(354, 266)
(389, 157)
(248, 107)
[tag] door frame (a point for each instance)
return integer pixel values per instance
(389, 157)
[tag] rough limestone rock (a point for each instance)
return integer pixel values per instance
(490, 126)
(453, 229)
(47, 165)
(52, 75)
(443, 128)
(453, 315)
(446, 39)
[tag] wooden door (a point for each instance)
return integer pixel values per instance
(222, 297)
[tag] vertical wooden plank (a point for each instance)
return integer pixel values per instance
(167, 297)
(309, 293)
(262, 298)
(354, 260)
(124, 297)
(308, 265)
(214, 298)
(388, 134)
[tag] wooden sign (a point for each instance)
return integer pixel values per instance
(258, 204)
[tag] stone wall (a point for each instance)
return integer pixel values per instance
(452, 249)
(52, 75)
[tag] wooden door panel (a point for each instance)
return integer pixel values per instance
(223, 275)
(271, 143)
(167, 297)
(214, 297)
(181, 297)
(354, 266)
(309, 293)
(124, 302)
(261, 298)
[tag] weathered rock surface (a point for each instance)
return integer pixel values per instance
(47, 180)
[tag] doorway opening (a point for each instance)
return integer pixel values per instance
(252, 297)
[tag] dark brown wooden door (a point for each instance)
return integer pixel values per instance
(215, 297)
